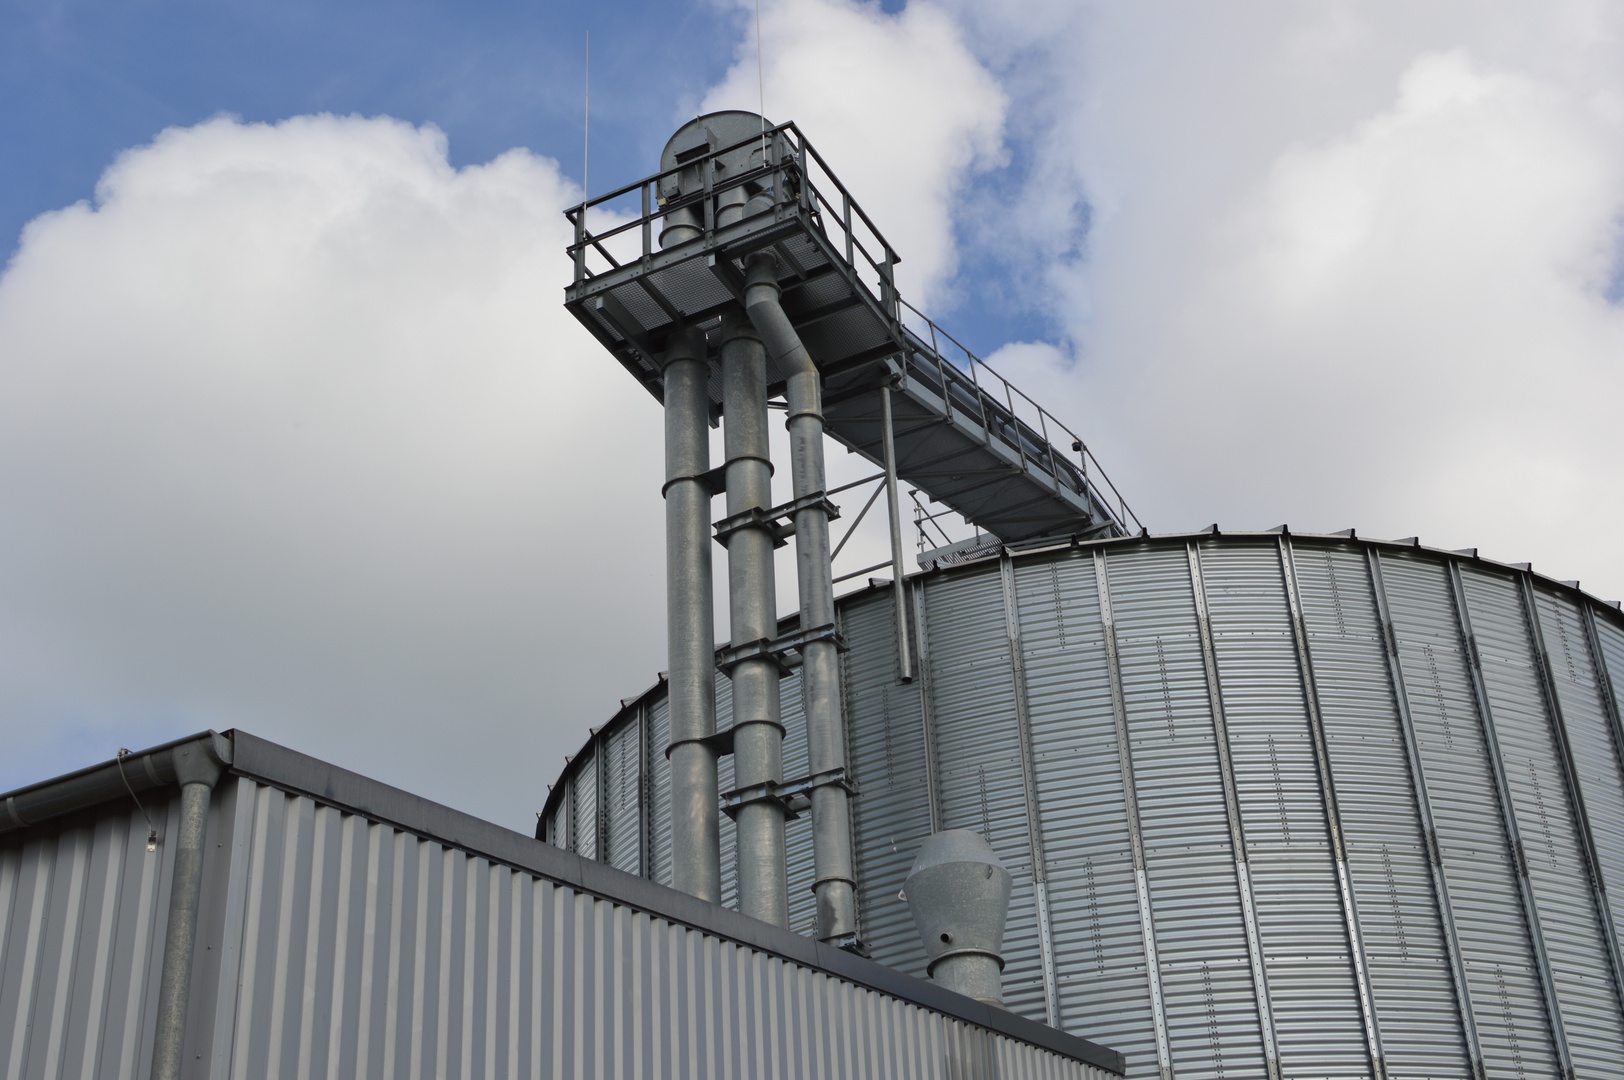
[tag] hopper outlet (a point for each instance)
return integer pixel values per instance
(958, 892)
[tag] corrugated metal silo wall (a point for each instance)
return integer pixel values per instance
(334, 945)
(1274, 805)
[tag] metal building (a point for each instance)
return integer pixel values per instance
(342, 928)
(1275, 805)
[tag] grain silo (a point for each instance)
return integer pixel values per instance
(1274, 804)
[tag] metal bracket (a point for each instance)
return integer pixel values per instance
(847, 943)
(794, 796)
(777, 649)
(779, 521)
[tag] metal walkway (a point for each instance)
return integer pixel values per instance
(962, 433)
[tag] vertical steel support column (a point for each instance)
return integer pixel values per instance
(1570, 777)
(835, 870)
(904, 662)
(196, 771)
(1130, 795)
(1429, 827)
(1232, 807)
(927, 710)
(758, 726)
(1333, 814)
(1508, 816)
(696, 862)
(1029, 784)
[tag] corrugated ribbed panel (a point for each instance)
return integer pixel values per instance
(1211, 1004)
(359, 950)
(1494, 941)
(1407, 958)
(803, 906)
(891, 814)
(1305, 945)
(623, 799)
(979, 755)
(1093, 912)
(584, 805)
(724, 782)
(1606, 819)
(1556, 863)
(81, 934)
(659, 829)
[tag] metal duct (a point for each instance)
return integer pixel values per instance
(958, 893)
(690, 622)
(836, 882)
(758, 728)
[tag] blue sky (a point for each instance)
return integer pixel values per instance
(295, 435)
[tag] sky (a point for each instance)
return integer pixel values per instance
(296, 436)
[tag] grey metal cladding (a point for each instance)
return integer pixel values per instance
(1310, 972)
(659, 792)
(584, 804)
(623, 794)
(803, 908)
(1094, 913)
(1206, 976)
(979, 755)
(1388, 861)
(80, 941)
(1607, 816)
(1580, 965)
(891, 816)
(1505, 990)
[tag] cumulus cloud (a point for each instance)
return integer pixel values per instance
(1338, 266)
(296, 435)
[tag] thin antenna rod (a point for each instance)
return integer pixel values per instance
(586, 123)
(761, 86)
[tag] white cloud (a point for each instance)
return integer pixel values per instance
(1343, 264)
(295, 434)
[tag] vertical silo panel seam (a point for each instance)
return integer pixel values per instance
(1333, 817)
(1243, 876)
(1034, 827)
(1514, 844)
(645, 792)
(1609, 699)
(601, 758)
(1125, 756)
(1570, 776)
(927, 712)
(1412, 751)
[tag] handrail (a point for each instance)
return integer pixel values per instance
(790, 156)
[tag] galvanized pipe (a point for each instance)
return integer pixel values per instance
(758, 726)
(836, 877)
(904, 659)
(696, 866)
(197, 768)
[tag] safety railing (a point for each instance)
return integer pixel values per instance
(627, 217)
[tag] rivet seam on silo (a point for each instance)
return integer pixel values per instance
(1333, 816)
(1226, 768)
(1034, 823)
(927, 691)
(1423, 802)
(1508, 812)
(1147, 926)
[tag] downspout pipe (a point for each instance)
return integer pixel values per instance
(836, 878)
(197, 769)
(696, 866)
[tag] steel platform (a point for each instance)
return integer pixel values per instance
(962, 433)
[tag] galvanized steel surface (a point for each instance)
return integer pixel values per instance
(335, 945)
(1378, 792)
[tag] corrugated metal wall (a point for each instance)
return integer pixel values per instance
(1302, 806)
(331, 945)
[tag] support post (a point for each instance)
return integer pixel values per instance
(904, 659)
(758, 727)
(690, 624)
